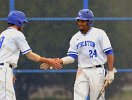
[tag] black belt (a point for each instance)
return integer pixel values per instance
(9, 65)
(97, 66)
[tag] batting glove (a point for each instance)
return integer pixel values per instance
(109, 76)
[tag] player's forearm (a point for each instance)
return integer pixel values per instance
(110, 61)
(37, 58)
(67, 60)
(33, 56)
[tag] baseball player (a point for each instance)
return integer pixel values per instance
(12, 41)
(93, 49)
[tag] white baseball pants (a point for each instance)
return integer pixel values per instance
(89, 82)
(6, 83)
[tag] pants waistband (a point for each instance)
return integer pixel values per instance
(96, 66)
(9, 65)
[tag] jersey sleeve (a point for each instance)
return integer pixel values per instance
(72, 51)
(105, 43)
(22, 43)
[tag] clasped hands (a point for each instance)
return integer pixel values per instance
(55, 63)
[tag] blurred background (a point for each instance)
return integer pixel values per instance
(51, 25)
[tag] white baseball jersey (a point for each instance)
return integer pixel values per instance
(12, 42)
(90, 47)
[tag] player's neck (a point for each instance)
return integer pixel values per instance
(16, 27)
(86, 30)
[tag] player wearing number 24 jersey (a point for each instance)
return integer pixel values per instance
(92, 47)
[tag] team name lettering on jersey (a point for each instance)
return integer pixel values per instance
(85, 43)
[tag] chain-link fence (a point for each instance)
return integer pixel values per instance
(58, 85)
(39, 85)
(51, 26)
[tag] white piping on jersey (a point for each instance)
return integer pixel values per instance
(110, 48)
(71, 52)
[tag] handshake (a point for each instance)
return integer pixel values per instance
(50, 63)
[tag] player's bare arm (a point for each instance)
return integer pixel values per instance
(37, 58)
(110, 61)
(110, 72)
(62, 61)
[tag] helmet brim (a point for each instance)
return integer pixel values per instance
(25, 21)
(81, 18)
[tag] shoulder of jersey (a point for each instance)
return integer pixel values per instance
(98, 30)
(12, 33)
(16, 32)
(76, 36)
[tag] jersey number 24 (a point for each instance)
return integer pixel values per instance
(92, 53)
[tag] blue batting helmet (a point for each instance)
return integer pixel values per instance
(17, 18)
(86, 14)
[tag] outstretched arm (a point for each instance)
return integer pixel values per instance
(35, 57)
(66, 60)
(62, 61)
